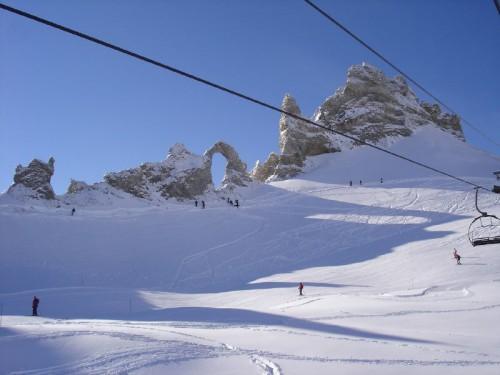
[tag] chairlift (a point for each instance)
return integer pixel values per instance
(484, 229)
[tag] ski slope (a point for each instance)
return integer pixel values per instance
(153, 288)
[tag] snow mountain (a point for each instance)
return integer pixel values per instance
(134, 283)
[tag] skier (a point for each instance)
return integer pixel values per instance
(381, 180)
(236, 203)
(73, 211)
(34, 305)
(456, 256)
(360, 182)
(301, 286)
(196, 203)
(202, 204)
(350, 183)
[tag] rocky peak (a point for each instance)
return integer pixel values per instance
(178, 150)
(179, 158)
(35, 178)
(371, 107)
(76, 186)
(298, 140)
(289, 105)
(375, 109)
(447, 121)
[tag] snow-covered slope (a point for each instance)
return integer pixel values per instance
(151, 288)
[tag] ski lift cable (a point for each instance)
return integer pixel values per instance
(225, 89)
(409, 78)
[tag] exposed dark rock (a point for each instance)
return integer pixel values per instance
(76, 186)
(35, 178)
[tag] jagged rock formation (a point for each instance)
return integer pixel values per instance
(262, 171)
(182, 175)
(298, 140)
(375, 108)
(35, 178)
(447, 121)
(370, 107)
(76, 186)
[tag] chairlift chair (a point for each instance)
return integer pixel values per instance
(484, 229)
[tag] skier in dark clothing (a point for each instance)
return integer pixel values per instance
(360, 182)
(456, 256)
(196, 203)
(34, 305)
(381, 180)
(73, 211)
(236, 203)
(301, 286)
(202, 204)
(350, 183)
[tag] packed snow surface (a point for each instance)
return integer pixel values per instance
(135, 287)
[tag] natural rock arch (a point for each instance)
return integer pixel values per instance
(235, 173)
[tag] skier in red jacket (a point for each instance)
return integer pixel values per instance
(456, 256)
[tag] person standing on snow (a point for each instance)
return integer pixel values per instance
(456, 256)
(34, 305)
(196, 203)
(202, 204)
(301, 286)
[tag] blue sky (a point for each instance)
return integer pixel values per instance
(96, 110)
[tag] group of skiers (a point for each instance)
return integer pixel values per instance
(202, 204)
(361, 181)
(236, 202)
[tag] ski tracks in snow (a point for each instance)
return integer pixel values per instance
(268, 367)
(145, 352)
(204, 253)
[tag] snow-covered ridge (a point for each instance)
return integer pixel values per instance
(182, 175)
(372, 107)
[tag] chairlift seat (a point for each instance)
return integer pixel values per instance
(484, 229)
(485, 241)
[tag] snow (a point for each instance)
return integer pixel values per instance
(143, 287)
